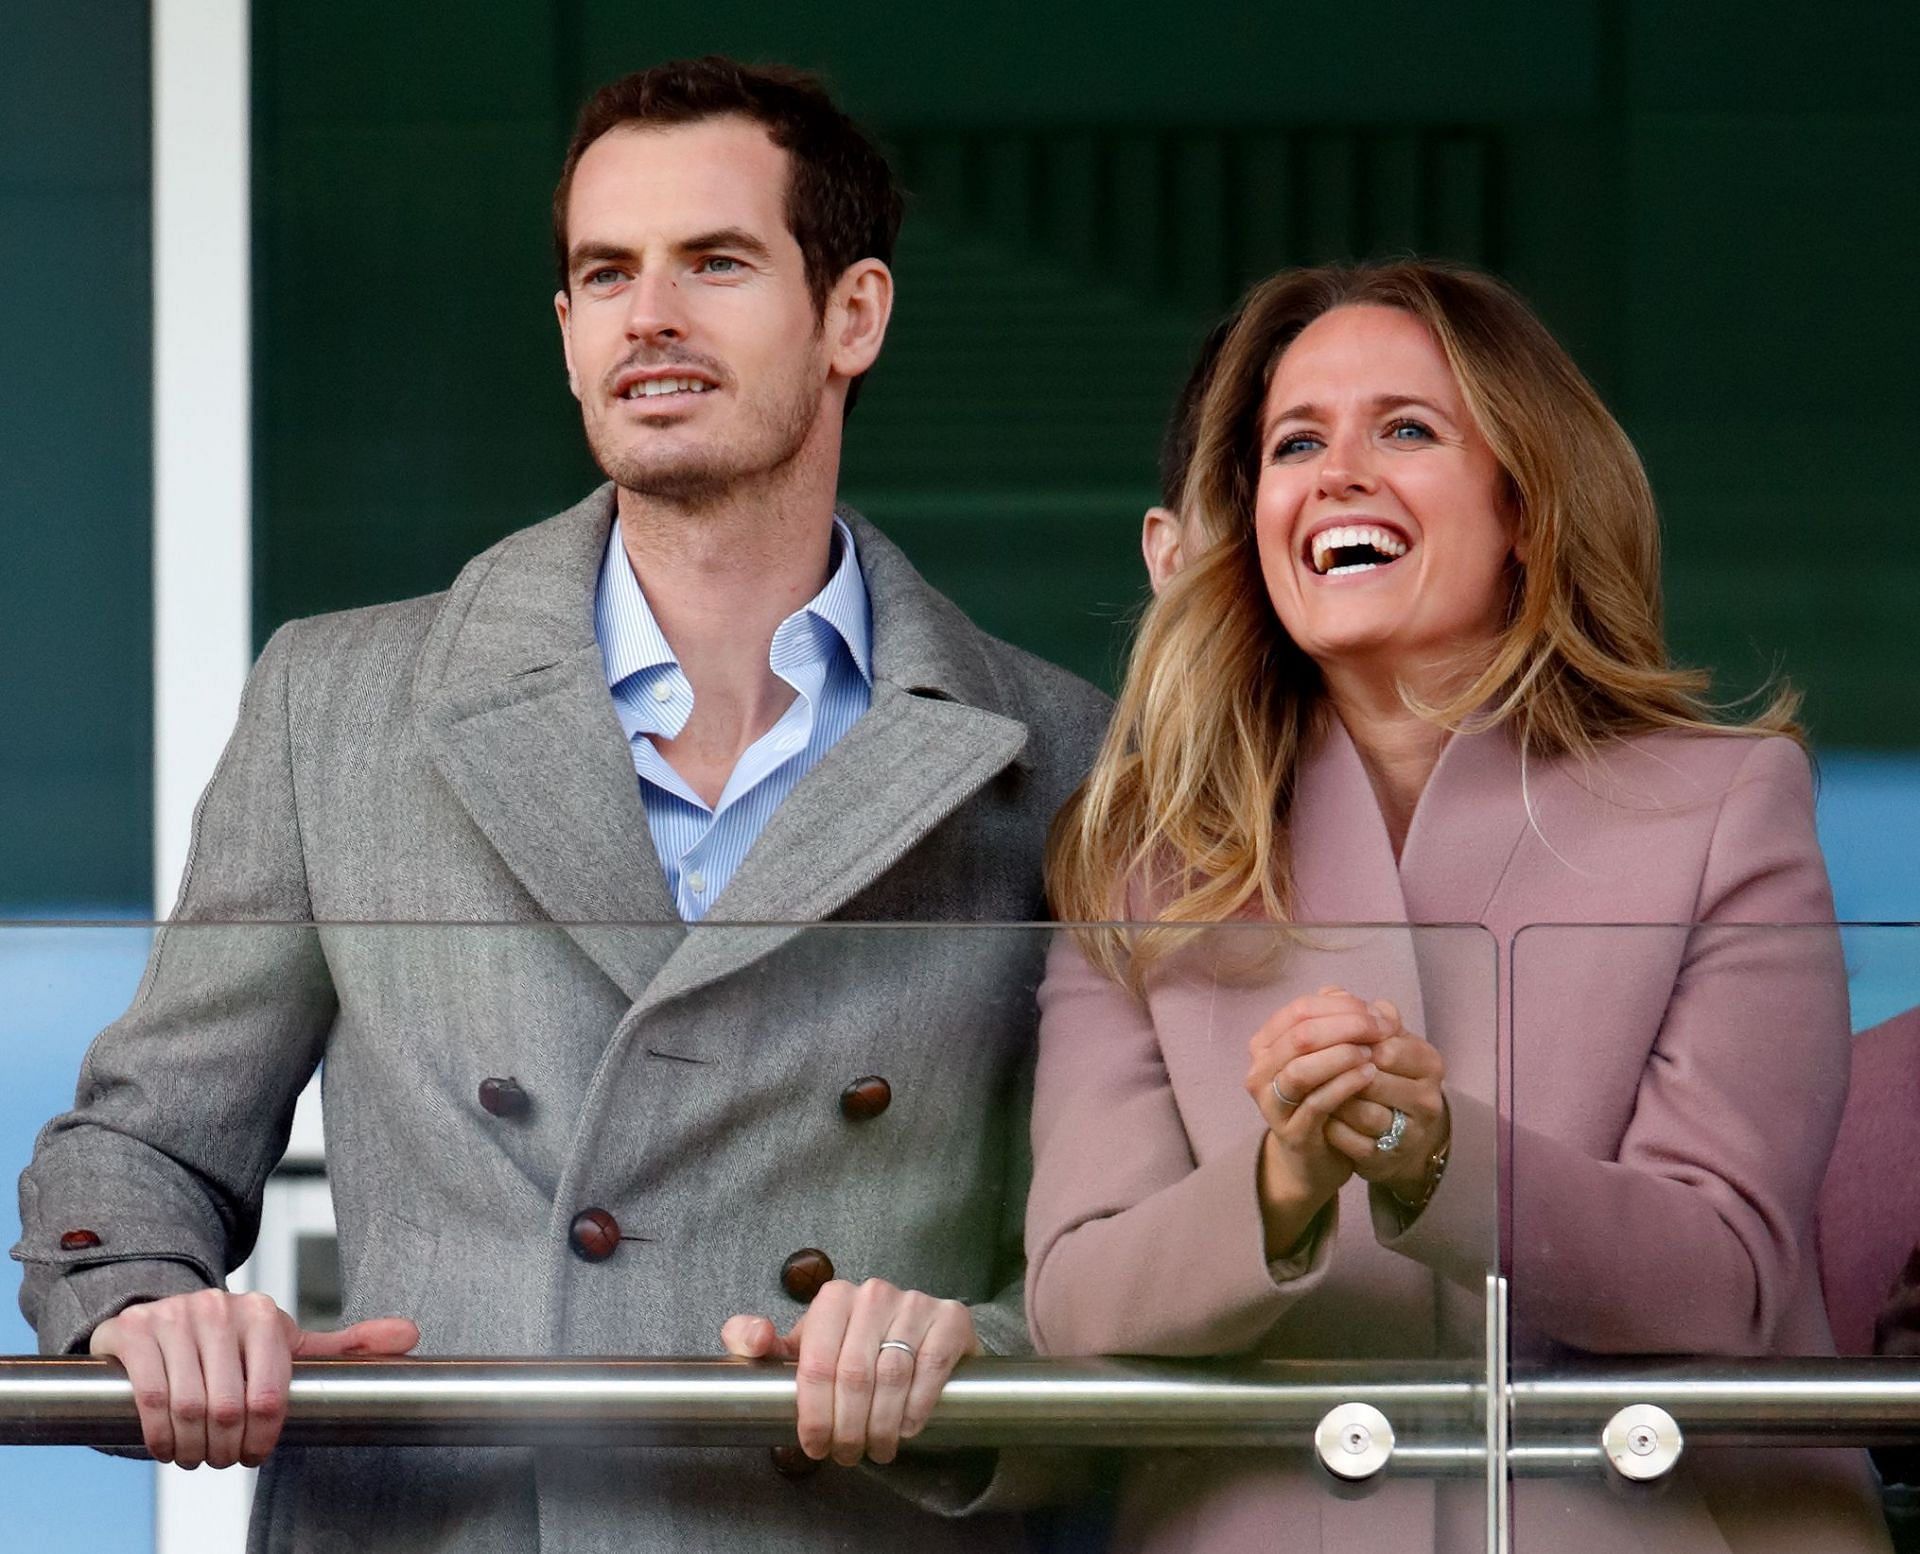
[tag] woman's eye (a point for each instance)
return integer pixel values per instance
(1410, 431)
(1299, 442)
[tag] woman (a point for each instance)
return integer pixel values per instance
(1410, 670)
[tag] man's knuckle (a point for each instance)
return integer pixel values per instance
(227, 1412)
(151, 1400)
(853, 1376)
(815, 1371)
(190, 1410)
(267, 1402)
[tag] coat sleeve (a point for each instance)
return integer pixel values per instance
(1118, 1198)
(1696, 1238)
(184, 1104)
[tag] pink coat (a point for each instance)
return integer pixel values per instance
(1675, 1096)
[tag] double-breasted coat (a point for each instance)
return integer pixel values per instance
(456, 760)
(1670, 1097)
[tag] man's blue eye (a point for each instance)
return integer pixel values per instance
(721, 264)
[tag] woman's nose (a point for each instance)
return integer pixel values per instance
(1346, 468)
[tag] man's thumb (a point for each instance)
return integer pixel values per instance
(379, 1335)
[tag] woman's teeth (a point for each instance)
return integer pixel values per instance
(1355, 548)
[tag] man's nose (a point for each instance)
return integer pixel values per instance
(654, 310)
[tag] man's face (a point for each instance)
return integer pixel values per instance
(691, 339)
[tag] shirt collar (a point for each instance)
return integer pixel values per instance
(631, 640)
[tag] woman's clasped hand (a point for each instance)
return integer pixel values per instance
(1346, 1089)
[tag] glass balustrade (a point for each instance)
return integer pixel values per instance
(570, 1153)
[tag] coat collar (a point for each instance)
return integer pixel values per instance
(1465, 830)
(510, 693)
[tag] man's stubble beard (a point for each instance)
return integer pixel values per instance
(706, 476)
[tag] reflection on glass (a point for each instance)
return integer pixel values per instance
(1189, 1197)
(1677, 1092)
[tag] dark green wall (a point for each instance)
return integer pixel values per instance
(75, 459)
(1709, 202)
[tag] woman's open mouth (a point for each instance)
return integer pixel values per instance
(1351, 548)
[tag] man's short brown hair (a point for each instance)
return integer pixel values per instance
(842, 202)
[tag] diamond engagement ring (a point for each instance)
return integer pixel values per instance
(1389, 1141)
(1287, 1101)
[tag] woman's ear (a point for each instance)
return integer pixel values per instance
(1160, 545)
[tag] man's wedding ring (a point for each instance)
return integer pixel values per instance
(1287, 1101)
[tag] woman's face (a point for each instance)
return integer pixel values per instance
(1382, 531)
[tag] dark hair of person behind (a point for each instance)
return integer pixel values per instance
(842, 202)
(1183, 426)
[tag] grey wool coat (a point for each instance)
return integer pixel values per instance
(456, 759)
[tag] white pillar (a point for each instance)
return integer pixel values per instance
(202, 504)
(202, 406)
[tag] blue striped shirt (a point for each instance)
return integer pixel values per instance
(824, 650)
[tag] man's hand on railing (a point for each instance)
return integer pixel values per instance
(210, 1371)
(871, 1361)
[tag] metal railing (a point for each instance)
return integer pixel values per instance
(1360, 1417)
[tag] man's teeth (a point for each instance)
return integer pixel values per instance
(650, 388)
(1366, 536)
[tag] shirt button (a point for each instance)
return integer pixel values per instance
(865, 1098)
(663, 690)
(802, 1274)
(697, 883)
(594, 1235)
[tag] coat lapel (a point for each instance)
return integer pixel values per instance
(512, 701)
(940, 728)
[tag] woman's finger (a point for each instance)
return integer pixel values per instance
(1408, 1055)
(1316, 1035)
(1364, 1115)
(1278, 1093)
(1308, 1120)
(1282, 1020)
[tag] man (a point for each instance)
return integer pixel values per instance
(698, 694)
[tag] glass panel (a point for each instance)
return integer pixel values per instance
(1714, 1177)
(606, 1140)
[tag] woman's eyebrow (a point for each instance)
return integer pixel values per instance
(1380, 404)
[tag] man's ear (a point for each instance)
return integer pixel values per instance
(855, 321)
(1160, 545)
(560, 311)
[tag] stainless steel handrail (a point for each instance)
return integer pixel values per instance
(1437, 1409)
(714, 1402)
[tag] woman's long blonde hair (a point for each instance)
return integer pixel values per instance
(1192, 790)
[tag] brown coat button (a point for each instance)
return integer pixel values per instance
(595, 1235)
(79, 1241)
(865, 1098)
(802, 1274)
(505, 1098)
(792, 1462)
